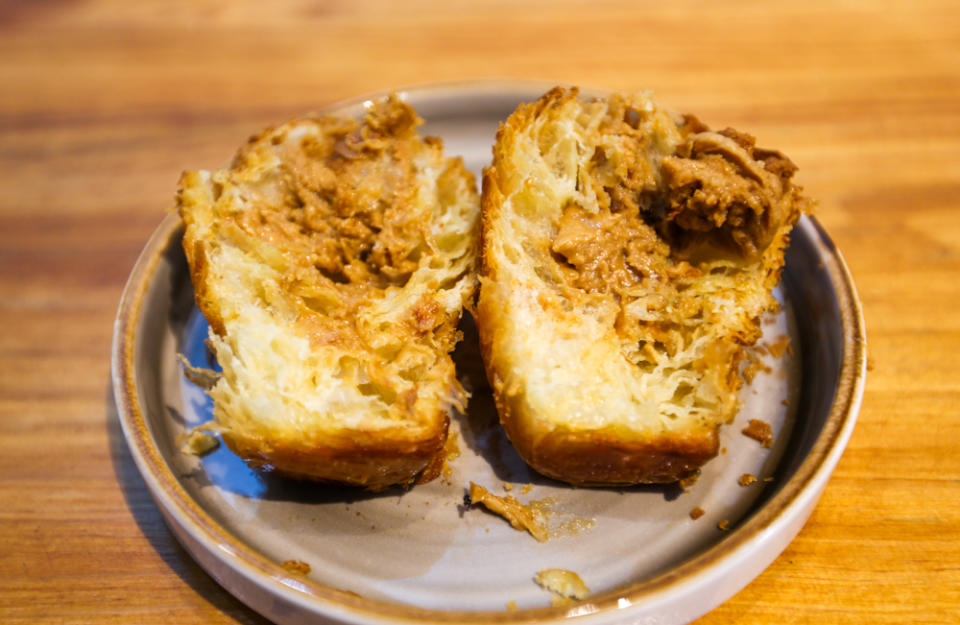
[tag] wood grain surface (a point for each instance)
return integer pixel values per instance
(103, 103)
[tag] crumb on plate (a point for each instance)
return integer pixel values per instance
(562, 583)
(780, 346)
(204, 378)
(199, 443)
(521, 517)
(760, 431)
(296, 567)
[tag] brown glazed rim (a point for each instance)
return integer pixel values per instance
(319, 599)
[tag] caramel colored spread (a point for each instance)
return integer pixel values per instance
(724, 195)
(346, 211)
(658, 224)
(718, 197)
(342, 215)
(608, 250)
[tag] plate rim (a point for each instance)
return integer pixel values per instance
(198, 530)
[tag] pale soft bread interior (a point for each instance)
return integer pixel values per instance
(595, 317)
(333, 260)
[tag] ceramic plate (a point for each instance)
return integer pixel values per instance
(419, 555)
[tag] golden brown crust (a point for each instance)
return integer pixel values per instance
(374, 463)
(195, 252)
(605, 458)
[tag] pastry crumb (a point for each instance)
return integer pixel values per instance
(204, 378)
(780, 346)
(563, 583)
(199, 443)
(747, 479)
(511, 606)
(296, 567)
(723, 525)
(522, 517)
(573, 527)
(696, 513)
(754, 367)
(759, 431)
(689, 479)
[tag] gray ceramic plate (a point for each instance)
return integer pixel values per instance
(419, 556)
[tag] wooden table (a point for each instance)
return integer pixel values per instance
(102, 104)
